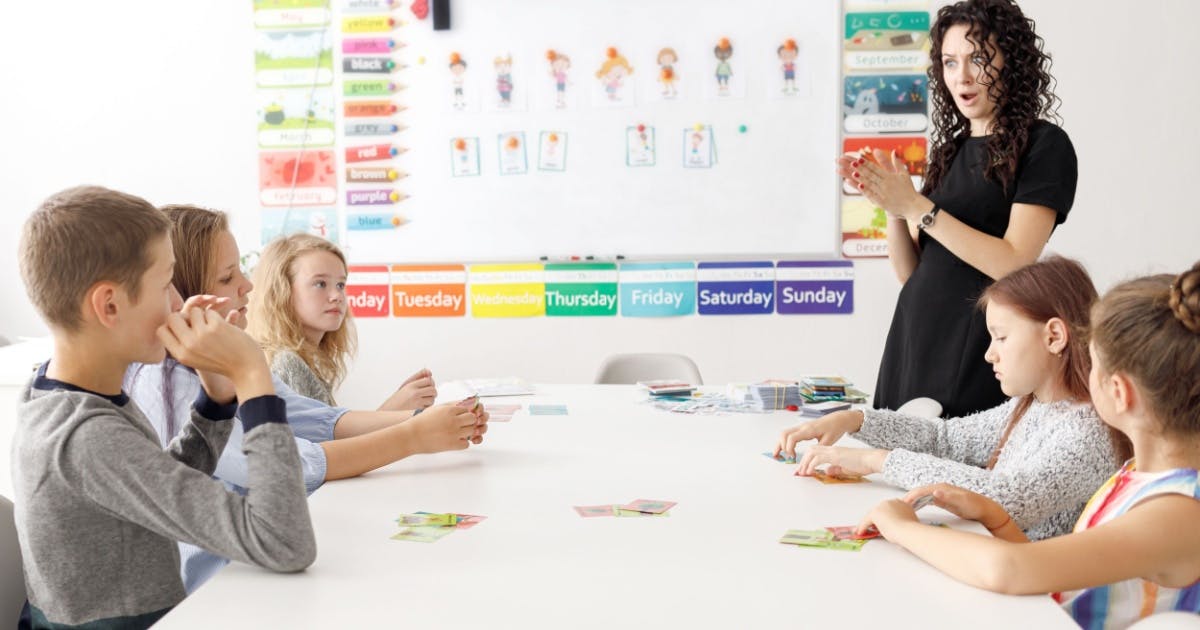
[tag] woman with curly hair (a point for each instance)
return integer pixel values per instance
(1000, 179)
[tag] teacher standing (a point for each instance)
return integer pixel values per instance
(999, 180)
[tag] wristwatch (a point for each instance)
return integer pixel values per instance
(926, 220)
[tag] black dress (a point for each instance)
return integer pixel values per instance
(938, 337)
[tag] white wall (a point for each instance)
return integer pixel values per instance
(166, 111)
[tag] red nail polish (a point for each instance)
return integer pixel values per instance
(855, 174)
(861, 187)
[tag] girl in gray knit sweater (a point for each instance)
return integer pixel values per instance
(1040, 455)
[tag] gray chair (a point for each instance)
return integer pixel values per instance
(12, 580)
(627, 369)
(923, 407)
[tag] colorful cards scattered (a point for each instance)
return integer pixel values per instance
(846, 532)
(547, 410)
(638, 508)
(501, 413)
(827, 478)
(432, 527)
(819, 538)
(781, 458)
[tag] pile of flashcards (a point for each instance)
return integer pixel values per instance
(501, 413)
(823, 477)
(840, 538)
(817, 389)
(431, 527)
(641, 507)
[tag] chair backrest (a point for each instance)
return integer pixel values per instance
(12, 581)
(923, 407)
(627, 369)
(1174, 620)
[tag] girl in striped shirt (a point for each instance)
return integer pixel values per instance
(1135, 550)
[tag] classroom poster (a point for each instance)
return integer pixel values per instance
(367, 289)
(657, 289)
(886, 40)
(735, 288)
(581, 290)
(814, 287)
(429, 290)
(511, 290)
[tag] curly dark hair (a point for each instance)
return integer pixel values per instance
(1023, 90)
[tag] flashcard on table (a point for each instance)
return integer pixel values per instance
(649, 506)
(885, 103)
(699, 149)
(820, 539)
(292, 118)
(846, 532)
(613, 86)
(464, 157)
(426, 534)
(620, 513)
(513, 160)
(780, 458)
(461, 521)
(640, 148)
(593, 511)
(826, 478)
(547, 410)
(552, 151)
(421, 519)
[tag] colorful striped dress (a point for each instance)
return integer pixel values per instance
(1119, 605)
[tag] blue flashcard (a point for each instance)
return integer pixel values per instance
(657, 289)
(736, 288)
(547, 410)
(814, 287)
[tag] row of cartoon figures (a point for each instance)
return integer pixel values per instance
(616, 69)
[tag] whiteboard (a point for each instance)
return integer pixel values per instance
(771, 191)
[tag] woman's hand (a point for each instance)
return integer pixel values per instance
(884, 180)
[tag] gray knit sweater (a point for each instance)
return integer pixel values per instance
(288, 367)
(1056, 457)
(100, 504)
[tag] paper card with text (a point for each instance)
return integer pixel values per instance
(367, 290)
(510, 290)
(581, 290)
(429, 290)
(736, 288)
(665, 289)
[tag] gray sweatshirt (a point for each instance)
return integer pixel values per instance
(288, 367)
(100, 504)
(1056, 457)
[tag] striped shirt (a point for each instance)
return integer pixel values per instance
(1119, 605)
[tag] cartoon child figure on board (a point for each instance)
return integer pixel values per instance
(458, 68)
(787, 60)
(666, 73)
(559, 64)
(697, 140)
(612, 74)
(504, 81)
(723, 51)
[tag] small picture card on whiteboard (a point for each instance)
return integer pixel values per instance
(513, 159)
(699, 150)
(557, 89)
(552, 151)
(864, 228)
(640, 149)
(507, 87)
(464, 157)
(462, 91)
(613, 85)
(725, 77)
(787, 77)
(665, 82)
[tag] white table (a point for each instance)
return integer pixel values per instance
(714, 562)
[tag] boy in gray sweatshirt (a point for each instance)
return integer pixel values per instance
(99, 504)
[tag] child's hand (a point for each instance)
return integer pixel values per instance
(445, 428)
(842, 460)
(418, 392)
(885, 516)
(826, 431)
(202, 340)
(962, 503)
